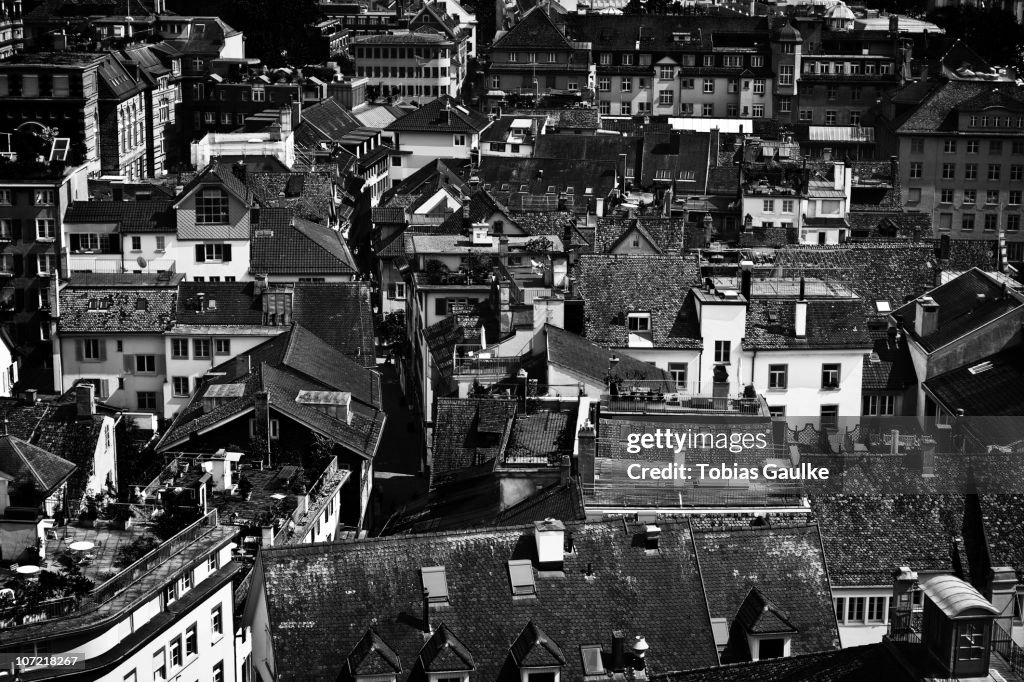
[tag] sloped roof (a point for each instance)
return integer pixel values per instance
(888, 367)
(219, 173)
(664, 234)
(123, 309)
(340, 588)
(937, 113)
(298, 247)
(534, 31)
(309, 195)
(468, 432)
(33, 466)
(372, 656)
(612, 286)
(831, 323)
(325, 121)
(533, 649)
(442, 115)
(989, 386)
(131, 216)
(588, 360)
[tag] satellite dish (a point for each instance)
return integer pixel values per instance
(141, 261)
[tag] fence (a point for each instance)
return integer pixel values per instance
(1003, 644)
(622, 494)
(23, 615)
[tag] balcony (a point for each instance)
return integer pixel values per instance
(661, 397)
(471, 361)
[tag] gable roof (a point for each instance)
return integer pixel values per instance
(468, 432)
(612, 286)
(938, 113)
(325, 121)
(534, 649)
(376, 580)
(130, 216)
(664, 234)
(831, 323)
(125, 309)
(282, 367)
(29, 465)
(444, 652)
(218, 173)
(534, 31)
(588, 360)
(309, 195)
(372, 656)
(960, 310)
(286, 244)
(442, 115)
(989, 386)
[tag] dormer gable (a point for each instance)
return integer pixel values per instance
(373, 659)
(534, 654)
(444, 656)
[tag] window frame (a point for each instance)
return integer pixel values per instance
(828, 369)
(723, 351)
(778, 377)
(212, 206)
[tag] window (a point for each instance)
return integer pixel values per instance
(771, 648)
(665, 97)
(1017, 172)
(604, 84)
(970, 196)
(459, 140)
(722, 351)
(995, 147)
(840, 608)
(42, 197)
(757, 61)
(678, 371)
(829, 416)
(972, 146)
(949, 146)
(159, 665)
(992, 196)
(201, 349)
(191, 641)
(785, 75)
(665, 73)
(768, 206)
(994, 171)
(146, 400)
(876, 609)
(206, 253)
(46, 264)
(946, 196)
(945, 221)
(831, 93)
(180, 387)
(179, 349)
(709, 60)
(879, 405)
(626, 85)
(175, 649)
(639, 322)
(145, 364)
(785, 104)
(916, 168)
(831, 117)
(733, 60)
(948, 171)
(787, 205)
(5, 197)
(917, 145)
(967, 222)
(830, 375)
(709, 85)
(855, 609)
(93, 349)
(211, 206)
(971, 171)
(806, 114)
(1013, 222)
(275, 429)
(218, 671)
(625, 107)
(991, 222)
(605, 108)
(855, 118)
(217, 620)
(778, 376)
(46, 229)
(970, 641)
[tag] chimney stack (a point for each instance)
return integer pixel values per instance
(426, 611)
(85, 400)
(926, 318)
(618, 651)
(746, 279)
(587, 437)
(243, 366)
(652, 536)
(549, 535)
(800, 314)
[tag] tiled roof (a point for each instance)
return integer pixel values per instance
(869, 662)
(681, 156)
(443, 115)
(665, 234)
(589, 361)
(309, 195)
(544, 433)
(430, 178)
(989, 386)
(831, 323)
(889, 224)
(591, 147)
(867, 537)
(131, 216)
(613, 286)
(298, 247)
(786, 567)
(535, 177)
(938, 112)
(372, 656)
(468, 432)
(554, 222)
(125, 309)
(562, 501)
(621, 32)
(960, 310)
(337, 312)
(294, 361)
(1002, 518)
(32, 467)
(610, 582)
(534, 31)
(325, 121)
(889, 366)
(223, 174)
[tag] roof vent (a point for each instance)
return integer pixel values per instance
(652, 537)
(520, 572)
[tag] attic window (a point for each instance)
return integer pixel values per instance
(99, 304)
(883, 307)
(505, 187)
(524, 188)
(521, 573)
(570, 190)
(639, 322)
(981, 367)
(435, 585)
(592, 663)
(874, 358)
(687, 175)
(551, 189)
(141, 304)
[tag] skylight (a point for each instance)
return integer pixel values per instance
(883, 307)
(435, 584)
(981, 367)
(521, 573)
(591, 655)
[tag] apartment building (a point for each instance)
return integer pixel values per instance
(442, 128)
(961, 157)
(417, 65)
(34, 198)
(811, 207)
(12, 30)
(159, 67)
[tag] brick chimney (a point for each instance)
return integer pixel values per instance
(800, 314)
(926, 316)
(85, 400)
(587, 438)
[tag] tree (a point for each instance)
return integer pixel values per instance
(478, 265)
(392, 329)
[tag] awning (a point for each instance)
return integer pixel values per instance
(841, 134)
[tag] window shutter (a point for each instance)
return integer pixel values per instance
(16, 225)
(159, 364)
(104, 388)
(441, 306)
(391, 290)
(30, 265)
(19, 300)
(76, 242)
(226, 253)
(103, 350)
(200, 253)
(78, 350)
(129, 364)
(18, 264)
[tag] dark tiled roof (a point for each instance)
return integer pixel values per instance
(867, 537)
(677, 155)
(32, 466)
(562, 501)
(372, 656)
(223, 174)
(612, 286)
(131, 216)
(1002, 517)
(994, 391)
(889, 366)
(468, 432)
(554, 222)
(620, 33)
(544, 433)
(325, 121)
(442, 115)
(298, 247)
(509, 175)
(831, 323)
(724, 180)
(125, 310)
(939, 112)
(589, 361)
(309, 195)
(889, 224)
(960, 311)
(870, 662)
(340, 588)
(592, 147)
(294, 361)
(664, 234)
(535, 31)
(786, 567)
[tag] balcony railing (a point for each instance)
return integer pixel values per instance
(688, 495)
(480, 365)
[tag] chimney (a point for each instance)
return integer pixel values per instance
(426, 611)
(117, 190)
(746, 278)
(239, 170)
(31, 396)
(221, 471)
(926, 319)
(652, 534)
(549, 535)
(85, 402)
(565, 470)
(618, 651)
(480, 236)
(587, 438)
(894, 25)
(243, 366)
(839, 175)
(599, 207)
(800, 314)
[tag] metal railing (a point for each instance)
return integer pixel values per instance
(659, 403)
(687, 494)
(1003, 644)
(45, 610)
(480, 364)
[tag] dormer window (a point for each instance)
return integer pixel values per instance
(538, 658)
(212, 206)
(639, 322)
